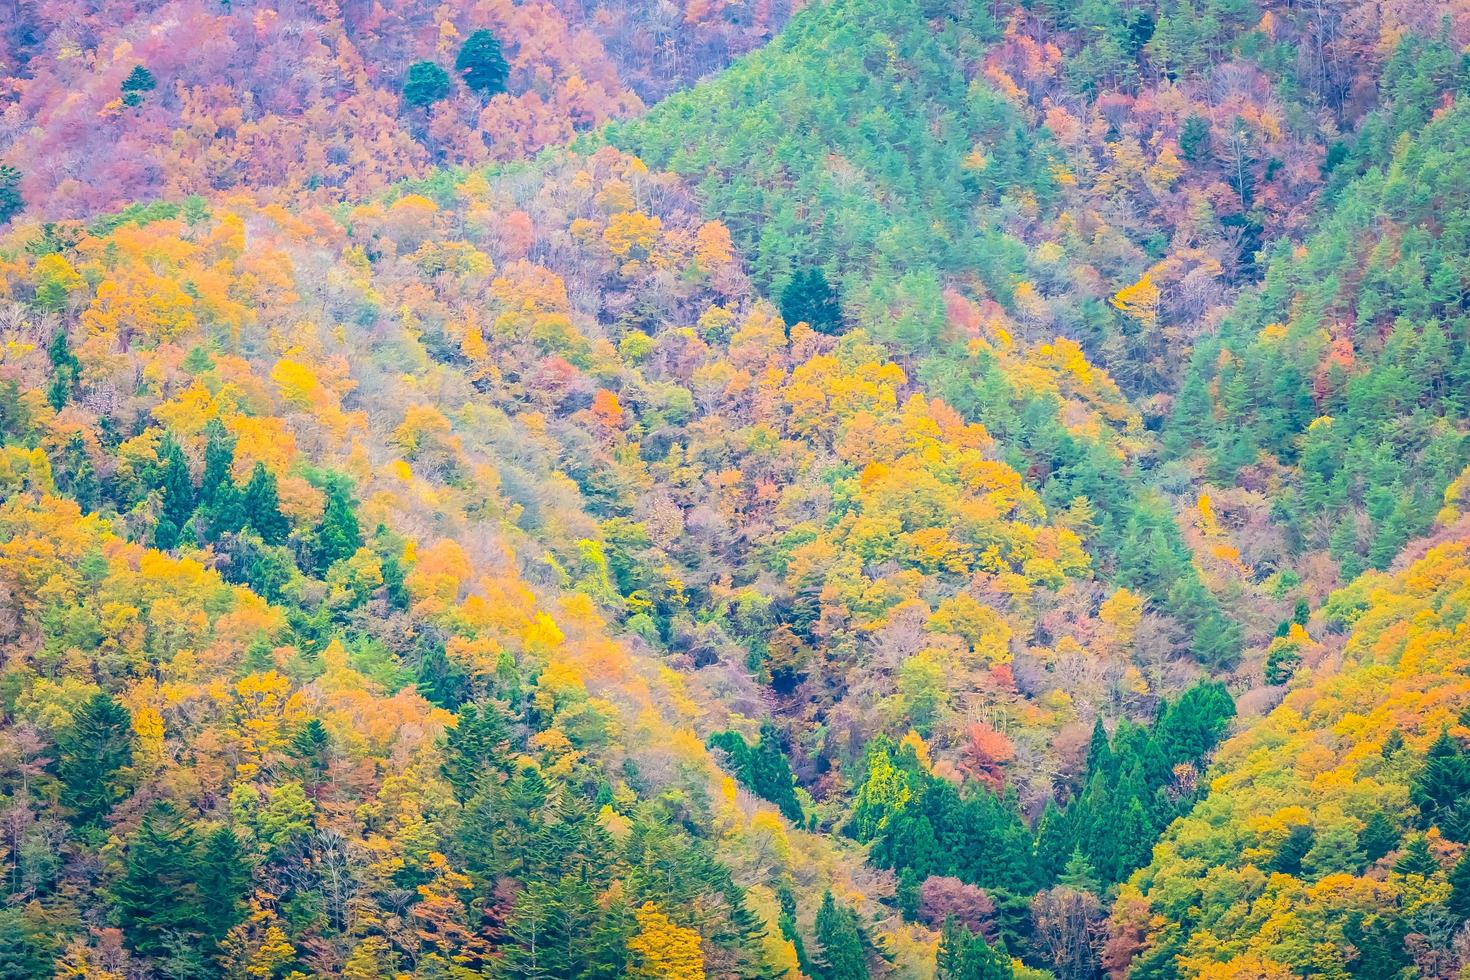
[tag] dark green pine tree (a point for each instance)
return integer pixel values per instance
(177, 488)
(809, 298)
(223, 882)
(24, 948)
(966, 956)
(1459, 901)
(425, 84)
(481, 64)
(1416, 859)
(140, 82)
(770, 773)
(475, 749)
(157, 899)
(263, 507)
(11, 201)
(1379, 836)
(1442, 783)
(787, 923)
(221, 505)
(338, 536)
(65, 367)
(309, 747)
(92, 757)
(841, 942)
(440, 679)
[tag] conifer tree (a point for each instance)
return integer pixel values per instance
(92, 757)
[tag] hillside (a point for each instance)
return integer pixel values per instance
(628, 490)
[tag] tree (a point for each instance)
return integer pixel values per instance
(1194, 139)
(481, 64)
(841, 942)
(157, 899)
(223, 881)
(338, 536)
(662, 950)
(262, 507)
(808, 298)
(964, 955)
(92, 756)
(1069, 926)
(11, 201)
(425, 84)
(140, 82)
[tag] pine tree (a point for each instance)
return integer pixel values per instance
(11, 201)
(140, 82)
(177, 486)
(92, 756)
(337, 536)
(223, 881)
(263, 508)
(1416, 859)
(841, 942)
(481, 64)
(425, 84)
(1459, 878)
(966, 956)
(1379, 836)
(475, 749)
(808, 298)
(157, 898)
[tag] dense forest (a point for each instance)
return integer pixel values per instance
(745, 489)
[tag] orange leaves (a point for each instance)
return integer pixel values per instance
(606, 410)
(984, 754)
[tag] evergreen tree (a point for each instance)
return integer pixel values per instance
(262, 507)
(1379, 836)
(841, 942)
(223, 882)
(11, 201)
(177, 485)
(157, 898)
(966, 956)
(808, 298)
(1459, 879)
(425, 84)
(1416, 859)
(92, 757)
(337, 536)
(140, 82)
(481, 64)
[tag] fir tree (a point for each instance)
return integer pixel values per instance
(92, 757)
(481, 64)
(262, 507)
(337, 536)
(157, 898)
(841, 942)
(425, 84)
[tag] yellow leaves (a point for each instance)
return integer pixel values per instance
(631, 234)
(1206, 520)
(264, 709)
(662, 950)
(1165, 170)
(1140, 301)
(423, 427)
(1272, 333)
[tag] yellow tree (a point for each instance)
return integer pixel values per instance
(663, 950)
